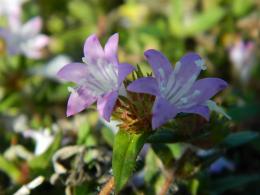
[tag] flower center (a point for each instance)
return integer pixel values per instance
(102, 77)
(175, 91)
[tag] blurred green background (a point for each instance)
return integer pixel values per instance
(33, 102)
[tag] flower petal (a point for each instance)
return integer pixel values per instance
(187, 69)
(105, 104)
(207, 88)
(111, 48)
(32, 48)
(32, 27)
(199, 109)
(39, 41)
(144, 85)
(163, 111)
(74, 72)
(78, 101)
(123, 70)
(92, 48)
(161, 66)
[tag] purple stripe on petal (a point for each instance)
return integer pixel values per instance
(123, 70)
(105, 104)
(111, 48)
(161, 66)
(163, 111)
(144, 85)
(78, 102)
(207, 88)
(74, 72)
(92, 48)
(200, 110)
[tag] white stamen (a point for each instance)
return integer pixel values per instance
(201, 64)
(214, 107)
(71, 90)
(184, 100)
(102, 76)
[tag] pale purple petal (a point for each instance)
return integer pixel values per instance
(105, 104)
(92, 48)
(163, 111)
(123, 70)
(39, 41)
(198, 109)
(78, 101)
(144, 85)
(5, 34)
(161, 66)
(74, 72)
(207, 88)
(32, 27)
(187, 68)
(111, 48)
(32, 48)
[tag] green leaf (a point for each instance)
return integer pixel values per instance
(108, 135)
(221, 185)
(239, 138)
(10, 169)
(85, 136)
(243, 113)
(164, 153)
(126, 148)
(241, 7)
(164, 136)
(204, 21)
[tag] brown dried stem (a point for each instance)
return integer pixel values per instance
(108, 187)
(167, 184)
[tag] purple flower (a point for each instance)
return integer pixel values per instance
(99, 79)
(243, 56)
(25, 38)
(221, 164)
(177, 90)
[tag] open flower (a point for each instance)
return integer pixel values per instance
(99, 79)
(177, 90)
(25, 39)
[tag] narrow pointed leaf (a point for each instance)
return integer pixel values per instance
(126, 148)
(239, 138)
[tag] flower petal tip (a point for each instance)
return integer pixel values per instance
(149, 52)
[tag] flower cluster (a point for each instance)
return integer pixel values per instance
(100, 78)
(20, 38)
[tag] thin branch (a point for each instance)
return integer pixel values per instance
(108, 187)
(167, 184)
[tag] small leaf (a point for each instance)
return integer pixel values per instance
(164, 136)
(164, 153)
(10, 169)
(221, 185)
(239, 138)
(126, 148)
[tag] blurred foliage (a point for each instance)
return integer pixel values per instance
(36, 100)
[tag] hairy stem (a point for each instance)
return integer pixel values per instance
(167, 184)
(108, 187)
